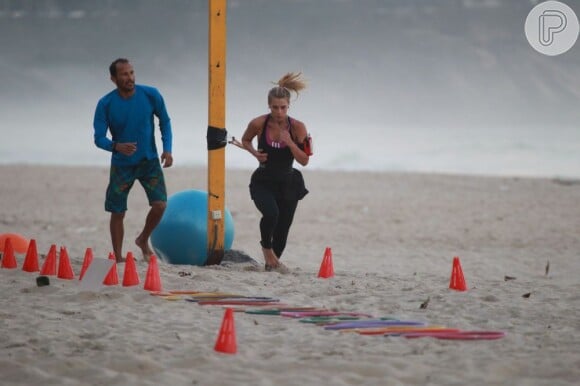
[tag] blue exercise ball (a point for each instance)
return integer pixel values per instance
(181, 236)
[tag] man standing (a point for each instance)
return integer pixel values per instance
(128, 113)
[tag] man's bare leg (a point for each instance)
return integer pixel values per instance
(153, 218)
(117, 234)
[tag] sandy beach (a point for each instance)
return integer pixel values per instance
(393, 238)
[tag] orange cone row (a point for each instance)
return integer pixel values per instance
(226, 340)
(64, 268)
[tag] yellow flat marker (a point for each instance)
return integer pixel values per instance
(172, 297)
(161, 294)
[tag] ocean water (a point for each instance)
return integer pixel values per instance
(447, 86)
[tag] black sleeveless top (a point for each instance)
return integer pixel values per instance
(277, 174)
(280, 159)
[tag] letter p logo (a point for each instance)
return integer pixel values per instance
(551, 22)
(552, 28)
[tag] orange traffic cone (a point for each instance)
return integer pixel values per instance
(8, 258)
(130, 276)
(31, 260)
(19, 242)
(86, 262)
(326, 267)
(152, 280)
(65, 270)
(49, 266)
(457, 281)
(112, 278)
(226, 340)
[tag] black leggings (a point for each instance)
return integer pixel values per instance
(277, 216)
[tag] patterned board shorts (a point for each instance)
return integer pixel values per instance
(121, 179)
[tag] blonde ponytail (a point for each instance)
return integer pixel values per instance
(291, 81)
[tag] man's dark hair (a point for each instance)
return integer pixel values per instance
(113, 66)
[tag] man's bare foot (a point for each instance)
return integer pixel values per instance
(119, 259)
(270, 258)
(145, 249)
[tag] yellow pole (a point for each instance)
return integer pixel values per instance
(216, 132)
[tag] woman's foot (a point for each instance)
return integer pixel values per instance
(270, 259)
(281, 268)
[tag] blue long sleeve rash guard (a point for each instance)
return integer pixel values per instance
(132, 120)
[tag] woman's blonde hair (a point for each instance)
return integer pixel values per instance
(290, 82)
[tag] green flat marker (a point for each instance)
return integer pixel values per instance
(263, 312)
